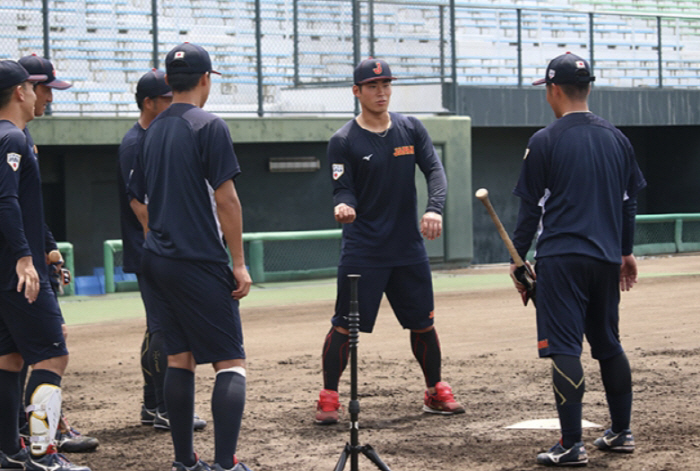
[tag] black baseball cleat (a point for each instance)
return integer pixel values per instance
(622, 442)
(15, 461)
(198, 466)
(560, 456)
(148, 416)
(52, 461)
(72, 441)
(162, 422)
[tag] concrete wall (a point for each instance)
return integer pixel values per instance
(78, 158)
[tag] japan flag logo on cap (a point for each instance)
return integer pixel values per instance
(179, 55)
(580, 65)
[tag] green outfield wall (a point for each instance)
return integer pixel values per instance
(79, 166)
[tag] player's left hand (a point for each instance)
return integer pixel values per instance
(243, 282)
(431, 225)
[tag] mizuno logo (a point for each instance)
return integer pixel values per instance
(367, 157)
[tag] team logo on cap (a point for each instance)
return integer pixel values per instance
(13, 160)
(552, 73)
(580, 65)
(338, 171)
(377, 70)
(179, 55)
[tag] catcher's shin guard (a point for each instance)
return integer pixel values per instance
(43, 416)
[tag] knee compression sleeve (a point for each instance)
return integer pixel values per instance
(43, 415)
(426, 349)
(335, 358)
(568, 379)
(617, 381)
(569, 385)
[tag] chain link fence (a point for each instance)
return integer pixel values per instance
(297, 56)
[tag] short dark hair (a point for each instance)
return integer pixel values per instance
(576, 91)
(183, 82)
(6, 95)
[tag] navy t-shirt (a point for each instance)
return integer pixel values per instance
(21, 207)
(376, 176)
(187, 154)
(132, 231)
(582, 174)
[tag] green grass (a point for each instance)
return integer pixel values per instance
(128, 305)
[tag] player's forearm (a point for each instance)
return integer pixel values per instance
(629, 213)
(437, 189)
(230, 213)
(141, 212)
(528, 218)
(49, 240)
(12, 227)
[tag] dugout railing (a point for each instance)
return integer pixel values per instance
(271, 256)
(295, 255)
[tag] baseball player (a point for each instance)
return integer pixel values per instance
(373, 160)
(68, 439)
(153, 95)
(30, 318)
(579, 183)
(187, 168)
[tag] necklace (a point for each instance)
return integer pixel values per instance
(383, 133)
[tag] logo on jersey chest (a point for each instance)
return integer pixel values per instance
(338, 171)
(403, 150)
(13, 160)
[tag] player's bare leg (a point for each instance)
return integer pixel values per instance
(438, 396)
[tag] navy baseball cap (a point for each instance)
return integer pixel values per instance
(12, 73)
(370, 70)
(188, 58)
(40, 66)
(567, 68)
(152, 84)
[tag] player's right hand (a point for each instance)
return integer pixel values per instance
(243, 282)
(344, 214)
(28, 278)
(628, 272)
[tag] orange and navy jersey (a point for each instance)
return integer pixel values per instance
(375, 174)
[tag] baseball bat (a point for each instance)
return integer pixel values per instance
(482, 195)
(523, 272)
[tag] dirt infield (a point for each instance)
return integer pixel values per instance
(490, 359)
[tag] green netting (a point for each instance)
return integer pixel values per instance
(654, 233)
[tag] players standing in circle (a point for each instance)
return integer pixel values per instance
(579, 182)
(30, 318)
(153, 95)
(68, 439)
(373, 160)
(187, 168)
